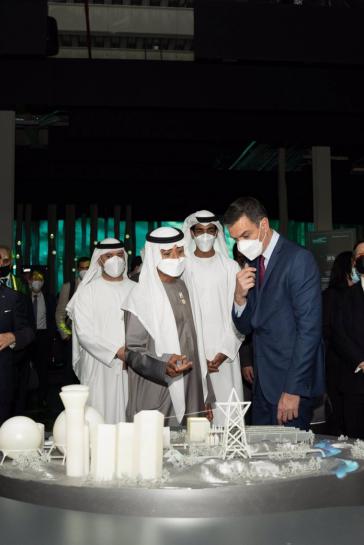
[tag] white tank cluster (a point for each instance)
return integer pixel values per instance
(19, 435)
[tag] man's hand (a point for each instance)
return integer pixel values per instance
(287, 408)
(6, 339)
(213, 365)
(248, 373)
(121, 353)
(177, 365)
(245, 280)
(360, 367)
(209, 413)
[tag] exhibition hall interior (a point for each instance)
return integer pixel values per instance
(181, 272)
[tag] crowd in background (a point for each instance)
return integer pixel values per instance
(49, 348)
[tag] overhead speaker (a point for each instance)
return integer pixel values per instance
(26, 30)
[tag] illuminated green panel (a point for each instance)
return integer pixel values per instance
(141, 230)
(43, 242)
(297, 231)
(229, 241)
(79, 249)
(176, 224)
(110, 228)
(122, 230)
(100, 229)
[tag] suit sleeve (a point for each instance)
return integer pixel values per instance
(23, 330)
(246, 353)
(305, 294)
(242, 322)
(137, 356)
(231, 339)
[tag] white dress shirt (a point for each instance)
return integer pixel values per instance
(41, 318)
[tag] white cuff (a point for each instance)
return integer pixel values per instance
(239, 309)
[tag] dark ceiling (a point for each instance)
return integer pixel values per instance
(171, 137)
(169, 162)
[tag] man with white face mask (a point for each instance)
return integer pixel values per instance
(212, 274)
(278, 299)
(166, 363)
(98, 330)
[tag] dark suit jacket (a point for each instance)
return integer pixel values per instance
(331, 302)
(284, 315)
(348, 338)
(13, 319)
(50, 304)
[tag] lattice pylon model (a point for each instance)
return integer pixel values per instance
(234, 443)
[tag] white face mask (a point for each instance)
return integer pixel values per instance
(172, 267)
(205, 242)
(251, 248)
(82, 273)
(114, 266)
(37, 285)
(355, 276)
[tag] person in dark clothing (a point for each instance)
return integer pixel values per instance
(348, 342)
(21, 358)
(136, 265)
(44, 309)
(340, 281)
(15, 334)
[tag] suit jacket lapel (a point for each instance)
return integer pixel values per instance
(272, 262)
(268, 272)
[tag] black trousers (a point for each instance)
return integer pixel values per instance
(354, 415)
(21, 381)
(6, 390)
(41, 357)
(69, 374)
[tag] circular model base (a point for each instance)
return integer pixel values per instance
(198, 491)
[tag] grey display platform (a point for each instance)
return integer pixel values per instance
(272, 496)
(26, 524)
(195, 507)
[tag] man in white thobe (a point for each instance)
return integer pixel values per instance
(98, 330)
(212, 276)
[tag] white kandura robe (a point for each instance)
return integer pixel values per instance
(214, 281)
(98, 322)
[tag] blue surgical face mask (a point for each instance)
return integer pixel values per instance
(354, 275)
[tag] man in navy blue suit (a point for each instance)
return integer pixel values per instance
(15, 334)
(278, 299)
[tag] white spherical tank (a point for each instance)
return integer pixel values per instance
(92, 418)
(20, 433)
